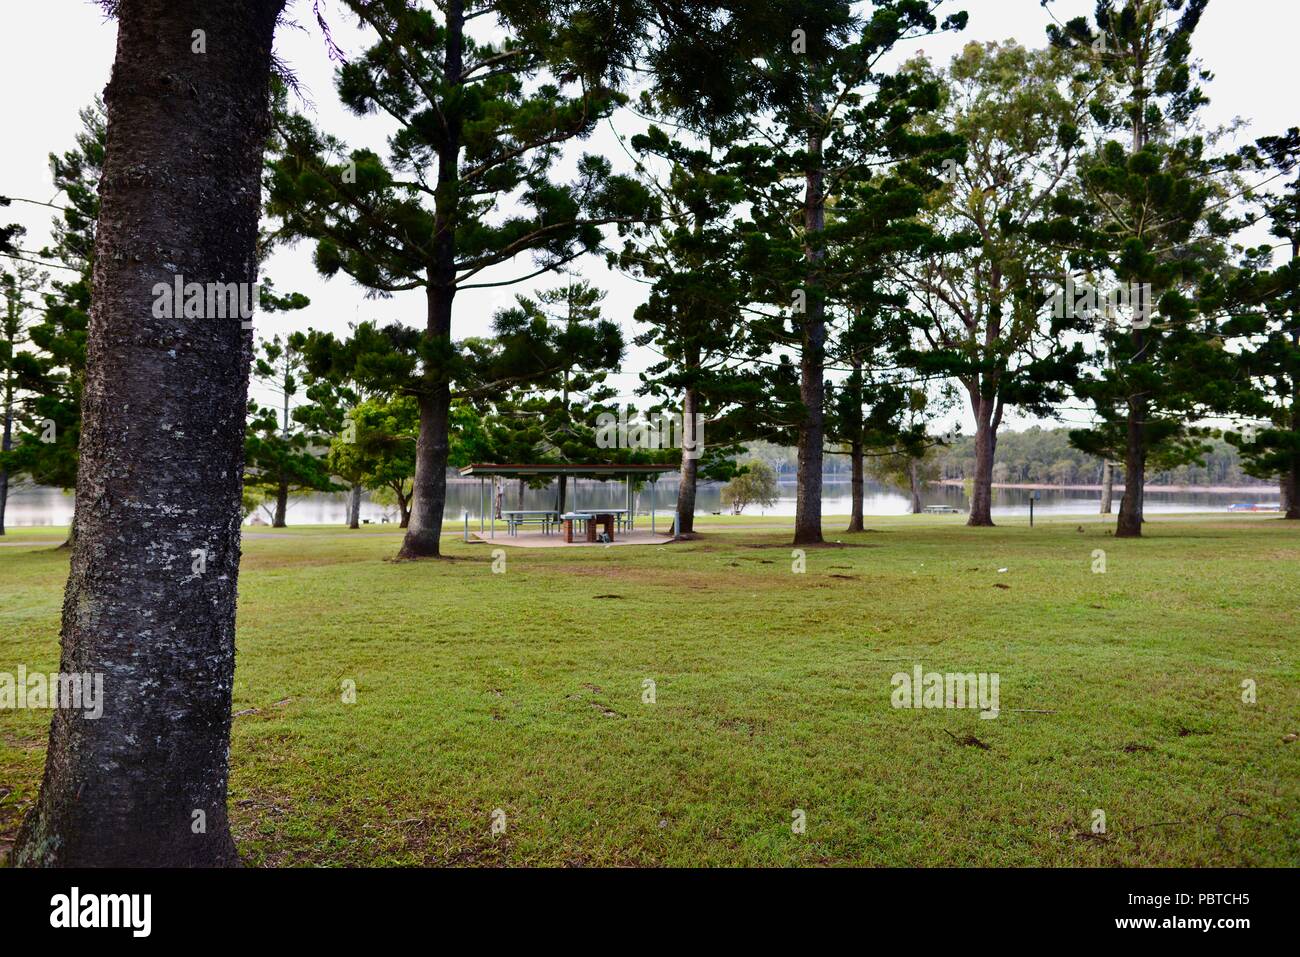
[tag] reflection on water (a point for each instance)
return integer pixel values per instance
(44, 506)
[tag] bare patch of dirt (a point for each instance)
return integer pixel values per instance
(745, 726)
(968, 740)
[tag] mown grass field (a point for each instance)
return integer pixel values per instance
(523, 691)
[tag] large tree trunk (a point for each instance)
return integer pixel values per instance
(914, 481)
(690, 465)
(354, 507)
(981, 503)
(281, 505)
(1107, 485)
(162, 451)
(1135, 462)
(812, 361)
(857, 464)
(429, 487)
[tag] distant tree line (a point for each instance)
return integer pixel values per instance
(1035, 455)
(1045, 456)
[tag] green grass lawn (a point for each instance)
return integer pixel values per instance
(523, 691)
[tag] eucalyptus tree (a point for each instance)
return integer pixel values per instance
(150, 601)
(469, 184)
(983, 309)
(376, 450)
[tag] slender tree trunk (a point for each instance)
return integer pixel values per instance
(563, 494)
(403, 509)
(281, 505)
(1291, 484)
(690, 465)
(812, 360)
(981, 502)
(1129, 524)
(162, 451)
(522, 486)
(1130, 520)
(354, 507)
(914, 480)
(72, 529)
(856, 460)
(6, 443)
(1107, 485)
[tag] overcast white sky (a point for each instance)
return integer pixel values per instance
(55, 56)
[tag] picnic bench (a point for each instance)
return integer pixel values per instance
(941, 510)
(516, 517)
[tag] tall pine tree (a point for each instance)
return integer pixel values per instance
(1147, 224)
(467, 186)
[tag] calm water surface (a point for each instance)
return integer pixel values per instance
(44, 506)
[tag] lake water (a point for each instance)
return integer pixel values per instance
(44, 506)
